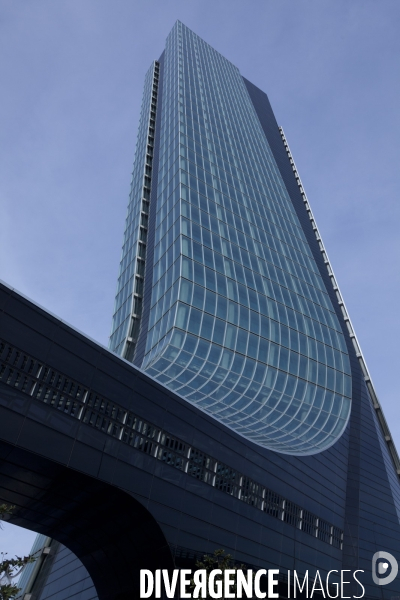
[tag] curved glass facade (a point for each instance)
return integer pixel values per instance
(240, 320)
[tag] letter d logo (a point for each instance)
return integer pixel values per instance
(380, 568)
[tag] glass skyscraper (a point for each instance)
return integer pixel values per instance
(252, 424)
(219, 296)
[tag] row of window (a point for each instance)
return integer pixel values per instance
(221, 221)
(258, 348)
(239, 294)
(231, 312)
(263, 284)
(280, 228)
(274, 283)
(272, 408)
(207, 301)
(238, 122)
(257, 197)
(277, 276)
(241, 136)
(197, 154)
(281, 281)
(255, 240)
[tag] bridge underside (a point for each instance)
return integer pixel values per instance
(110, 532)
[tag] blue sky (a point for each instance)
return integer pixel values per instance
(72, 73)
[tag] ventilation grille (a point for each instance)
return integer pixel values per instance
(47, 385)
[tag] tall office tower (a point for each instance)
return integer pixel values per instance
(252, 424)
(219, 295)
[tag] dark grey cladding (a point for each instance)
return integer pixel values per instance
(84, 419)
(373, 491)
(57, 462)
